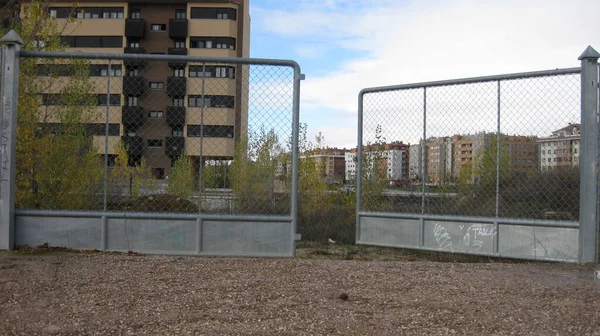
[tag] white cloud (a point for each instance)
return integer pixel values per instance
(410, 41)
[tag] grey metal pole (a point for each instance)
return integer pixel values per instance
(8, 139)
(498, 156)
(588, 162)
(358, 174)
(200, 161)
(298, 77)
(105, 206)
(424, 151)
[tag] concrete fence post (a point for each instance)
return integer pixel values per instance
(588, 162)
(8, 128)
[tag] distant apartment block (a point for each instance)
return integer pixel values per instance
(446, 157)
(393, 157)
(330, 163)
(561, 149)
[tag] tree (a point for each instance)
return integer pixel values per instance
(485, 165)
(57, 163)
(374, 172)
(181, 182)
(253, 172)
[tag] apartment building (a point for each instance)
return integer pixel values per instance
(155, 107)
(393, 158)
(445, 157)
(560, 149)
(330, 162)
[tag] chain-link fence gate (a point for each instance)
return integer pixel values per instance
(157, 154)
(481, 166)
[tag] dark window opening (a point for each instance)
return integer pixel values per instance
(210, 131)
(213, 13)
(180, 14)
(212, 71)
(135, 14)
(211, 101)
(155, 143)
(212, 42)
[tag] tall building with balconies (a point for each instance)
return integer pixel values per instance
(155, 107)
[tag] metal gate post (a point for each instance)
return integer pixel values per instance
(8, 139)
(588, 228)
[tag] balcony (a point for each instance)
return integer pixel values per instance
(133, 115)
(176, 86)
(179, 52)
(134, 145)
(175, 115)
(134, 86)
(135, 63)
(135, 28)
(178, 28)
(174, 146)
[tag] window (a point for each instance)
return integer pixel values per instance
(155, 143)
(213, 13)
(177, 102)
(180, 44)
(158, 173)
(93, 41)
(224, 72)
(101, 70)
(132, 101)
(159, 27)
(134, 44)
(180, 14)
(112, 12)
(196, 71)
(211, 101)
(212, 42)
(135, 14)
(156, 114)
(157, 85)
(115, 100)
(210, 131)
(177, 131)
(134, 72)
(91, 129)
(39, 43)
(212, 71)
(179, 73)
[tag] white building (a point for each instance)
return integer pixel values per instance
(561, 149)
(395, 158)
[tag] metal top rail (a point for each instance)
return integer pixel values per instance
(471, 80)
(155, 57)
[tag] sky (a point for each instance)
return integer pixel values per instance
(343, 46)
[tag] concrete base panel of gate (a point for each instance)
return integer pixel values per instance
(158, 236)
(539, 243)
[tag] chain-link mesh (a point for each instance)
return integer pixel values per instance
(506, 148)
(155, 136)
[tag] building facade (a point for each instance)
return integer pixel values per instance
(560, 149)
(446, 157)
(393, 157)
(330, 162)
(155, 107)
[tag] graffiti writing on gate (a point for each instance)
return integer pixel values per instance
(472, 237)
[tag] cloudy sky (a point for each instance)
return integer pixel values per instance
(346, 45)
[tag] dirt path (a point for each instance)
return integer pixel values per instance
(86, 294)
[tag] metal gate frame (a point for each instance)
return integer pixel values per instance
(163, 233)
(409, 230)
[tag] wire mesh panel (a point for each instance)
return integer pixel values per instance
(177, 136)
(158, 136)
(499, 148)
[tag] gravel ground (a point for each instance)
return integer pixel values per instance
(86, 294)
